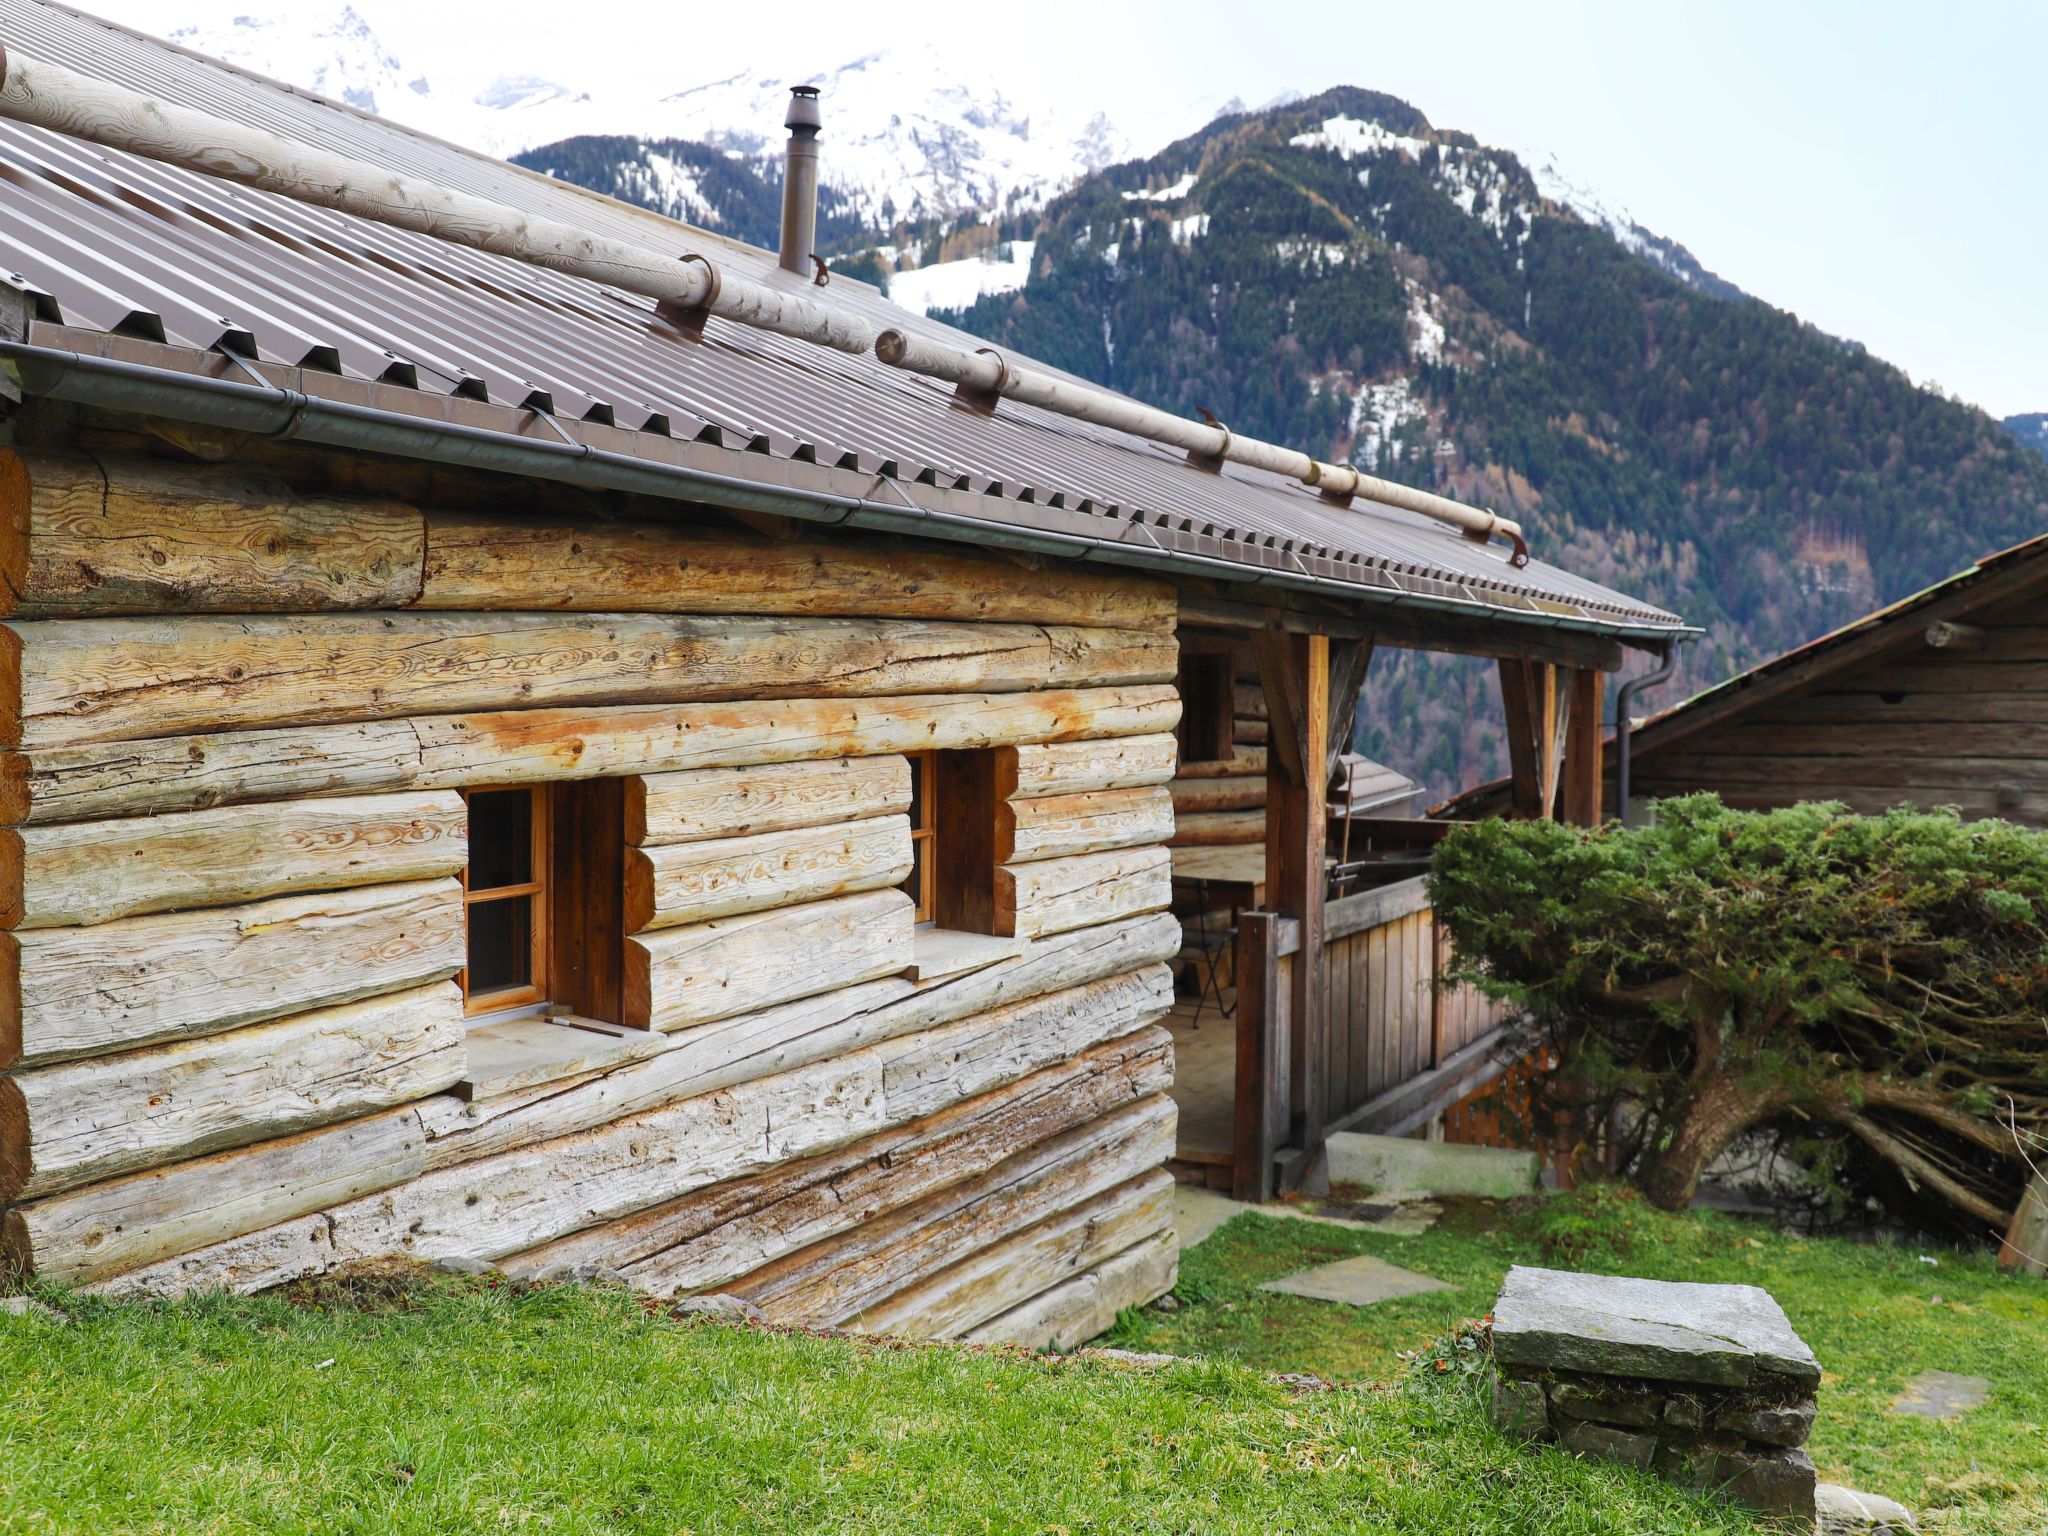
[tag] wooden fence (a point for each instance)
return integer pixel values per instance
(1397, 1046)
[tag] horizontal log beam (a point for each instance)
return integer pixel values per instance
(1194, 797)
(1077, 1310)
(180, 773)
(728, 876)
(832, 1281)
(68, 682)
(1078, 767)
(779, 1039)
(69, 992)
(92, 1234)
(692, 975)
(94, 872)
(774, 797)
(714, 1236)
(991, 1282)
(1219, 829)
(1450, 635)
(521, 1199)
(478, 562)
(92, 536)
(1053, 895)
(70, 1124)
(1094, 821)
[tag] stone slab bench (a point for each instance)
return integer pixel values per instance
(1707, 1385)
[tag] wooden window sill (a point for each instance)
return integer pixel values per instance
(533, 1050)
(938, 954)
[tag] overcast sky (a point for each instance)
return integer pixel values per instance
(1880, 169)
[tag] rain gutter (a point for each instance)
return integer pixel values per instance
(277, 412)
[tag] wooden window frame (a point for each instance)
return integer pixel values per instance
(924, 835)
(955, 834)
(539, 893)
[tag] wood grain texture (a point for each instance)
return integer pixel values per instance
(1076, 767)
(479, 562)
(829, 1282)
(1056, 894)
(988, 1284)
(728, 876)
(1194, 796)
(101, 680)
(139, 536)
(94, 872)
(713, 1236)
(179, 773)
(520, 1199)
(70, 1124)
(1082, 1308)
(122, 985)
(1248, 762)
(713, 970)
(705, 1058)
(97, 1232)
(774, 797)
(1094, 821)
(1219, 829)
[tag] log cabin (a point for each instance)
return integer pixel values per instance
(540, 734)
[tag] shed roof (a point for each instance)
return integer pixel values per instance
(132, 259)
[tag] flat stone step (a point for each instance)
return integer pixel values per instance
(1396, 1166)
(1941, 1395)
(1363, 1281)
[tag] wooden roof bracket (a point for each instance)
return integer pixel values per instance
(690, 318)
(983, 402)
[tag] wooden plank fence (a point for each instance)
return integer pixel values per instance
(1398, 1046)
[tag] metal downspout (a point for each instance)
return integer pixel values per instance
(275, 411)
(1623, 733)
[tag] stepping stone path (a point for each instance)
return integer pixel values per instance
(1198, 1212)
(1359, 1282)
(1941, 1395)
(1706, 1384)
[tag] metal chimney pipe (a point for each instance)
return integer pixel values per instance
(800, 180)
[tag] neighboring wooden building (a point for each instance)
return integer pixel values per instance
(1941, 699)
(497, 767)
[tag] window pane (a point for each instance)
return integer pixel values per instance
(500, 944)
(500, 838)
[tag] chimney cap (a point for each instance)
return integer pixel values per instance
(803, 108)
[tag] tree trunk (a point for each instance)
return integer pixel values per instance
(1719, 1111)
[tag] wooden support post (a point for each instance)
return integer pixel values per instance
(1349, 662)
(1294, 672)
(1261, 1064)
(1582, 766)
(1515, 697)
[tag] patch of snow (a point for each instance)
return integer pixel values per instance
(1426, 332)
(1305, 251)
(1190, 229)
(1172, 194)
(1351, 137)
(1378, 414)
(1476, 182)
(957, 284)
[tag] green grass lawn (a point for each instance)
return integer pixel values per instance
(460, 1407)
(1875, 1316)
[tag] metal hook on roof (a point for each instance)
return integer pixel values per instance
(980, 399)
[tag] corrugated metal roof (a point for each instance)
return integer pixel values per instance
(115, 243)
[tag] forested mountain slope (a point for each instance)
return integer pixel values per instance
(1339, 275)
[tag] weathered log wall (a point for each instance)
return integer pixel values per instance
(237, 707)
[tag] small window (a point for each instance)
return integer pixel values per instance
(953, 840)
(543, 898)
(505, 899)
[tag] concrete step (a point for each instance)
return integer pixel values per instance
(1397, 1166)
